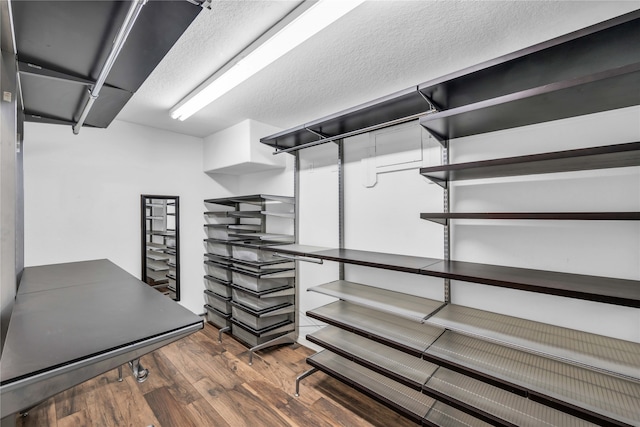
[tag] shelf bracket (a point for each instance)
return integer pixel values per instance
(441, 182)
(437, 136)
(433, 107)
(443, 221)
(317, 133)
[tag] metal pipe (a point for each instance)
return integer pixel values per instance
(355, 132)
(116, 47)
(298, 258)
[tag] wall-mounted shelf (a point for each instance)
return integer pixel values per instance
(610, 156)
(407, 335)
(592, 93)
(444, 217)
(585, 392)
(529, 86)
(409, 264)
(613, 356)
(536, 367)
(414, 405)
(497, 406)
(589, 393)
(404, 305)
(594, 288)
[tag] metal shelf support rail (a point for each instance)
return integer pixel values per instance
(121, 38)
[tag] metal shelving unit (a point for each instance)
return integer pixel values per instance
(250, 292)
(160, 225)
(487, 367)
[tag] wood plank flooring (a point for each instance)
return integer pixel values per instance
(199, 382)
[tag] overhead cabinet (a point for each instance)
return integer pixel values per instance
(443, 363)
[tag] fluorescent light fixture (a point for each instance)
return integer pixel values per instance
(313, 20)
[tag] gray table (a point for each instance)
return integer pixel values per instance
(74, 321)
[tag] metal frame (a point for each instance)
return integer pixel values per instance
(143, 230)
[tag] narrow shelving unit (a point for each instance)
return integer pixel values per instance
(160, 224)
(254, 290)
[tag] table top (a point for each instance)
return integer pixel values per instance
(67, 312)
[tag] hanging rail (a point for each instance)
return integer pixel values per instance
(355, 132)
(116, 47)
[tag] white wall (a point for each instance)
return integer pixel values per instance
(82, 195)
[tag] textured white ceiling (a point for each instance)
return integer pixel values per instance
(379, 48)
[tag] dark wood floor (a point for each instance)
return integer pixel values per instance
(199, 382)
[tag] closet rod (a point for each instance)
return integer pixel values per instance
(116, 47)
(355, 132)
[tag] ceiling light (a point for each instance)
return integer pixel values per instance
(313, 20)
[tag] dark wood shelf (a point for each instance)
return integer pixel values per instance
(443, 217)
(603, 157)
(593, 93)
(593, 288)
(254, 199)
(591, 70)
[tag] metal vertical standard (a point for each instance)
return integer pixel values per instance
(340, 143)
(296, 234)
(447, 231)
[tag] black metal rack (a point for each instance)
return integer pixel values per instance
(160, 257)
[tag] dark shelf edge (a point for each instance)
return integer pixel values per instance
(563, 216)
(366, 391)
(439, 269)
(628, 301)
(365, 333)
(367, 364)
(542, 398)
(299, 135)
(602, 157)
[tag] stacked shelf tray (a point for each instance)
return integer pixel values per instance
(254, 290)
